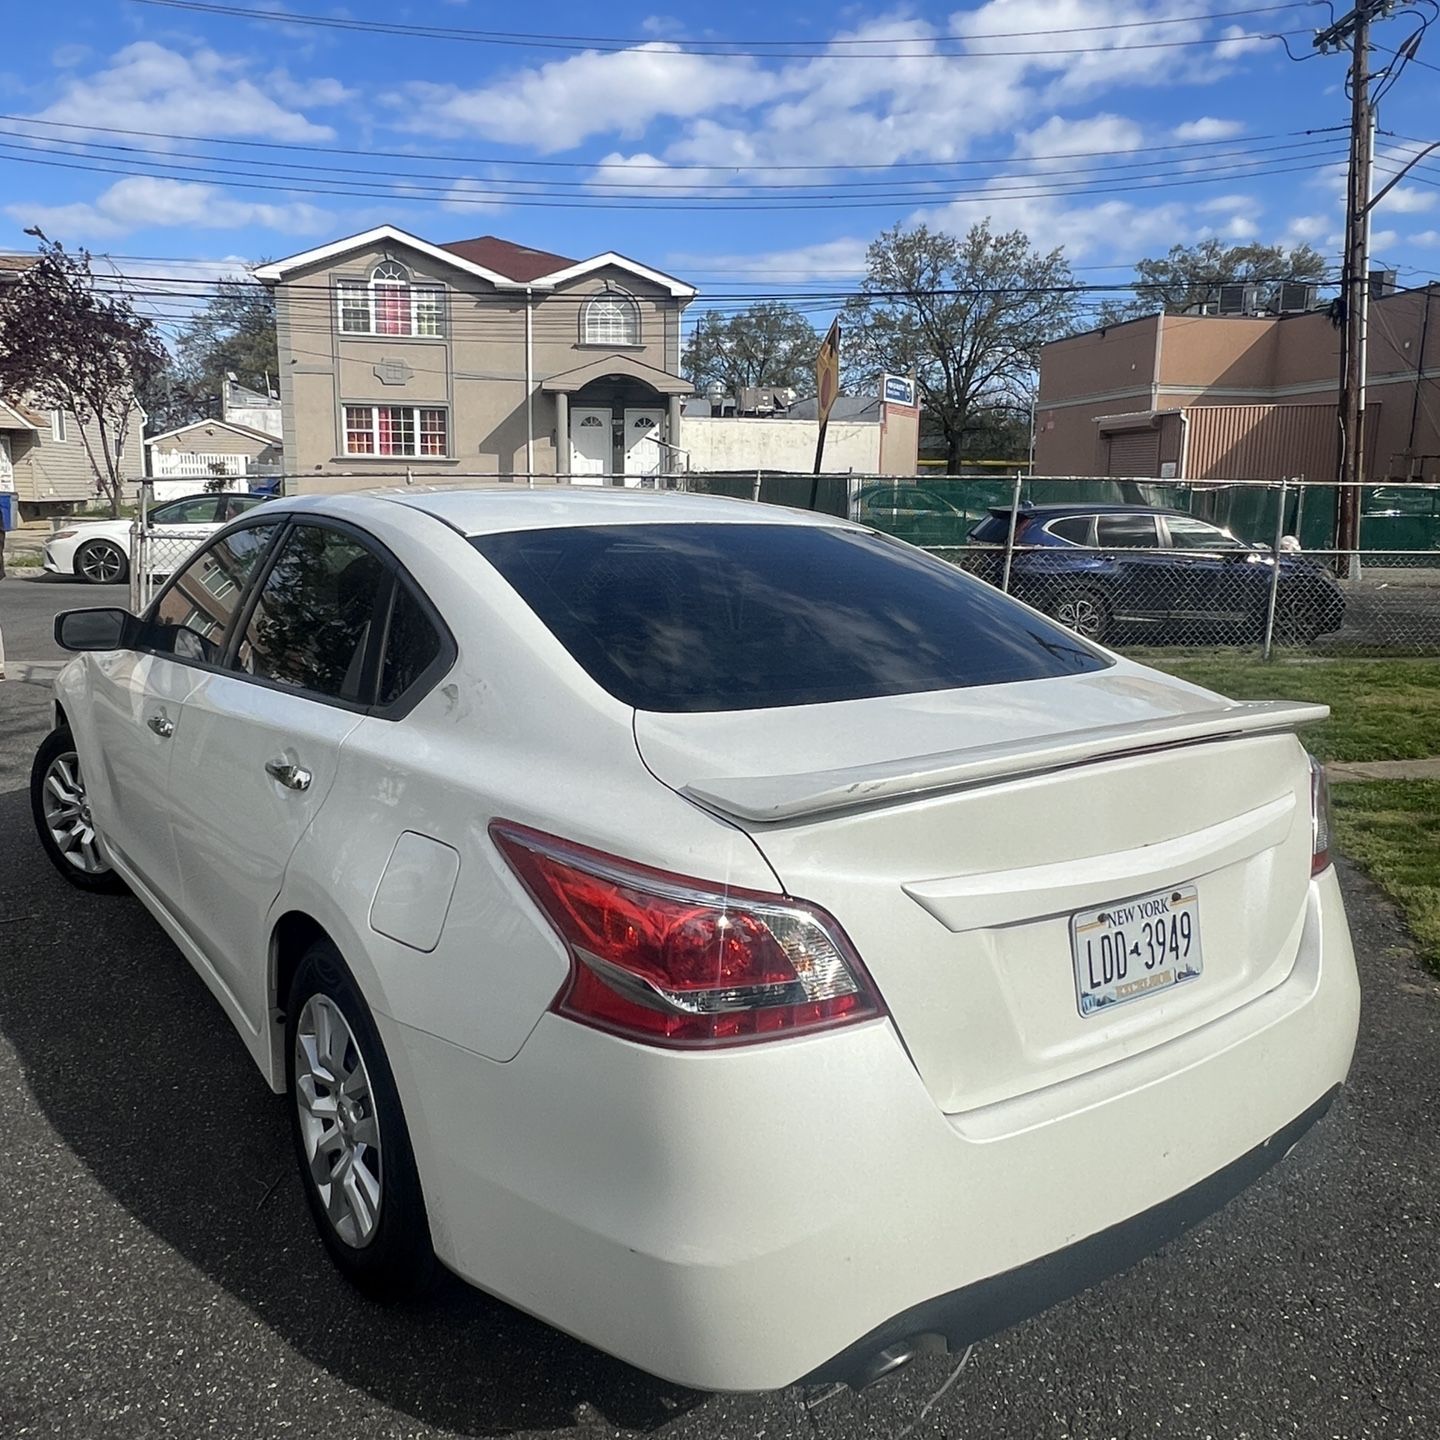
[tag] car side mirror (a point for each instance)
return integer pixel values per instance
(100, 628)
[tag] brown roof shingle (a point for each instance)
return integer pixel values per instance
(515, 262)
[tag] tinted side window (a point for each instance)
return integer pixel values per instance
(199, 511)
(1188, 534)
(192, 620)
(232, 506)
(688, 617)
(1127, 532)
(411, 646)
(311, 624)
(1074, 528)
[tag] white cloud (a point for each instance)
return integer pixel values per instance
(842, 259)
(472, 196)
(1382, 240)
(1207, 127)
(557, 105)
(1058, 138)
(142, 202)
(147, 86)
(66, 57)
(1307, 229)
(643, 171)
(1225, 204)
(1426, 237)
(323, 93)
(1406, 200)
(1240, 228)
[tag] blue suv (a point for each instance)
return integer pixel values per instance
(1107, 569)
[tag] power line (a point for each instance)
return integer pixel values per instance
(635, 189)
(435, 32)
(486, 199)
(663, 165)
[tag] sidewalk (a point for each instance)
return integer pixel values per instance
(1343, 770)
(27, 542)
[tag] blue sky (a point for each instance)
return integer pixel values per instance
(661, 147)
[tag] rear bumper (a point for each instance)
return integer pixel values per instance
(964, 1316)
(743, 1219)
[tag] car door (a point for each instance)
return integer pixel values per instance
(261, 743)
(1217, 586)
(138, 702)
(1140, 583)
(177, 527)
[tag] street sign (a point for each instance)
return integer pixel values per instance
(897, 390)
(827, 371)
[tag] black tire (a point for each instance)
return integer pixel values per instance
(396, 1261)
(1080, 610)
(101, 562)
(56, 758)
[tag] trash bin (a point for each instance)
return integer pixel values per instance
(8, 514)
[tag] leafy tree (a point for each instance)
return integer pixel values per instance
(234, 333)
(1191, 275)
(967, 316)
(65, 345)
(769, 344)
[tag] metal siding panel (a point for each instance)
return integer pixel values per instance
(1133, 453)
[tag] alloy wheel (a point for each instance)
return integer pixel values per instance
(100, 564)
(1082, 615)
(67, 815)
(338, 1120)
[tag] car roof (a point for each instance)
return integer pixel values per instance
(1098, 507)
(491, 509)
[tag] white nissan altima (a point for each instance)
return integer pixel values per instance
(737, 938)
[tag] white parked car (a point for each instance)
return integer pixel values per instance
(98, 551)
(745, 942)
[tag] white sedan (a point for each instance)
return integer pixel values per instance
(745, 942)
(98, 551)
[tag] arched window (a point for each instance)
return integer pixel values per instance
(389, 304)
(611, 319)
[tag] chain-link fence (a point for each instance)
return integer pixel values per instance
(1130, 562)
(1166, 563)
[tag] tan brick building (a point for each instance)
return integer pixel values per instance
(1246, 397)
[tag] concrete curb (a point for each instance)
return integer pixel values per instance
(1343, 770)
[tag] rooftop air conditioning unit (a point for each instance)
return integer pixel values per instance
(1382, 283)
(1296, 297)
(1237, 299)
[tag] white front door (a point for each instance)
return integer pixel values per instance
(7, 469)
(642, 452)
(591, 445)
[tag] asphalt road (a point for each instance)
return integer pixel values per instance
(159, 1274)
(29, 602)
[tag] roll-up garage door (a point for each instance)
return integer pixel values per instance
(1133, 453)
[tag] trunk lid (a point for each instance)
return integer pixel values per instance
(955, 834)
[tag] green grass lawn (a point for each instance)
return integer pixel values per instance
(1380, 709)
(1392, 828)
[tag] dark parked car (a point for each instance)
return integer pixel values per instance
(912, 512)
(1104, 569)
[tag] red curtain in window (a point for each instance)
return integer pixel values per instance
(392, 309)
(385, 417)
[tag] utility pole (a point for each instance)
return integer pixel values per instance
(1354, 30)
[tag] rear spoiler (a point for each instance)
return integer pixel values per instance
(778, 798)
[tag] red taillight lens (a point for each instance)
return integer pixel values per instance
(674, 961)
(1319, 817)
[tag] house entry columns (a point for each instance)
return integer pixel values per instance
(562, 433)
(673, 407)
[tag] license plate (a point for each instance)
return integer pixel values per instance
(1134, 948)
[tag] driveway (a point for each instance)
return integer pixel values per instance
(159, 1274)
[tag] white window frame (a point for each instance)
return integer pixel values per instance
(58, 429)
(415, 413)
(359, 297)
(621, 300)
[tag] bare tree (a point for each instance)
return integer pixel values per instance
(66, 345)
(967, 316)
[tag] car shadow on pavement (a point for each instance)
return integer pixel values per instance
(139, 1073)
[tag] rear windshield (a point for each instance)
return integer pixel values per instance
(994, 529)
(743, 617)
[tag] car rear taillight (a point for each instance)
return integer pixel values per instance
(669, 960)
(1319, 817)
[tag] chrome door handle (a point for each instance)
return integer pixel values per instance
(294, 777)
(162, 725)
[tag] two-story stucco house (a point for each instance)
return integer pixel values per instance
(476, 357)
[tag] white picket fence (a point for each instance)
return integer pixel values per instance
(167, 463)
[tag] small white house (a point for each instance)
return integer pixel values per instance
(204, 449)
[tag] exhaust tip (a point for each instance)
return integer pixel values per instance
(885, 1362)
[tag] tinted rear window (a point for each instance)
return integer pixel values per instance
(739, 617)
